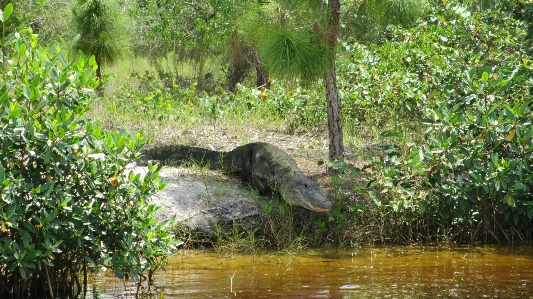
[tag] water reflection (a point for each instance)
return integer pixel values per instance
(388, 272)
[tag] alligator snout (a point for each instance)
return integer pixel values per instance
(305, 193)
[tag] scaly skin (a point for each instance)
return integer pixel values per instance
(264, 165)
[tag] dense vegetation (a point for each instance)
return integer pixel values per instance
(68, 204)
(436, 117)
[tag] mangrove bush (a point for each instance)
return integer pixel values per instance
(68, 204)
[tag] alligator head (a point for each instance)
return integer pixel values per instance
(276, 169)
(303, 192)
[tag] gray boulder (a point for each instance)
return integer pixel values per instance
(200, 201)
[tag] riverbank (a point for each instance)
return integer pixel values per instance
(267, 222)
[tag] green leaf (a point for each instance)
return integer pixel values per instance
(4, 95)
(376, 200)
(104, 260)
(26, 238)
(22, 49)
(4, 16)
(22, 272)
(41, 104)
(485, 77)
(10, 212)
(55, 74)
(56, 244)
(391, 133)
(524, 107)
(58, 171)
(90, 261)
(48, 155)
(515, 148)
(509, 200)
(118, 272)
(51, 216)
(75, 41)
(26, 91)
(63, 59)
(150, 209)
(494, 158)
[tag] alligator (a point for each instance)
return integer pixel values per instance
(261, 165)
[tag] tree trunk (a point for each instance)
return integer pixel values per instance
(336, 143)
(100, 88)
(239, 65)
(236, 74)
(260, 70)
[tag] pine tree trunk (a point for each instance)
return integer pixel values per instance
(100, 88)
(336, 143)
(236, 74)
(260, 70)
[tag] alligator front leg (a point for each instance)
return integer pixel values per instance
(247, 177)
(258, 185)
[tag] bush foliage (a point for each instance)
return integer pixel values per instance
(68, 204)
(467, 88)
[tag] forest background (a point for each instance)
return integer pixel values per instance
(436, 111)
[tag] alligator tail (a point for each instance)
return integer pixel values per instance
(174, 155)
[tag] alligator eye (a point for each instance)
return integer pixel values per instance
(305, 185)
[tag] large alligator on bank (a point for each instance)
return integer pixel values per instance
(262, 165)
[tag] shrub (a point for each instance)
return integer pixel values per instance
(480, 151)
(463, 76)
(67, 204)
(471, 173)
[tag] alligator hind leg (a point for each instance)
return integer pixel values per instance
(246, 166)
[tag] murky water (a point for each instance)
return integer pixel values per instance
(387, 272)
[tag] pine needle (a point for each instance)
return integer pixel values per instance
(290, 54)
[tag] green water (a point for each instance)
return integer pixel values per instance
(384, 272)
